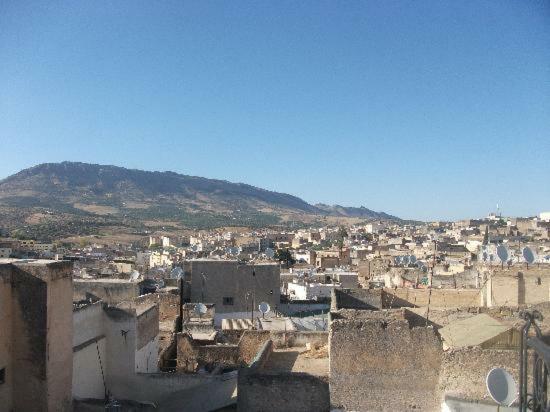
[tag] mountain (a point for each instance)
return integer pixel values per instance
(71, 197)
(361, 212)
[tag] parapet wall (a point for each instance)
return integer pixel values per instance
(168, 304)
(464, 371)
(436, 298)
(109, 292)
(378, 365)
(285, 392)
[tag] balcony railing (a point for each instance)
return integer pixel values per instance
(537, 400)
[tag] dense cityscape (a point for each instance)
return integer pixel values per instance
(323, 318)
(288, 206)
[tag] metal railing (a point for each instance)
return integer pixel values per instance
(537, 401)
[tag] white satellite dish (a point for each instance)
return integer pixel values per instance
(528, 255)
(134, 275)
(405, 259)
(264, 307)
(412, 259)
(398, 260)
(502, 253)
(269, 253)
(501, 386)
(200, 309)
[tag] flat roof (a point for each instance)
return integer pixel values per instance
(472, 331)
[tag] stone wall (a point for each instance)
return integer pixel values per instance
(383, 364)
(436, 298)
(298, 338)
(168, 304)
(108, 291)
(464, 371)
(285, 392)
(250, 343)
(369, 299)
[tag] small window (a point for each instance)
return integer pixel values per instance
(539, 282)
(228, 301)
(2, 375)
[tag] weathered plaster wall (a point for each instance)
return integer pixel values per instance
(39, 373)
(87, 376)
(146, 358)
(6, 349)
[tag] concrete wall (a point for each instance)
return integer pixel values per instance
(6, 336)
(231, 279)
(87, 375)
(383, 365)
(36, 345)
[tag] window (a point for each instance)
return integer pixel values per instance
(2, 375)
(228, 301)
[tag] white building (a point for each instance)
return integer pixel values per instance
(545, 216)
(311, 291)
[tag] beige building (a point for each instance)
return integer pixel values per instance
(36, 334)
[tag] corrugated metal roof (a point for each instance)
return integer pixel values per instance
(472, 331)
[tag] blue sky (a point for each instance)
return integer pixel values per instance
(423, 109)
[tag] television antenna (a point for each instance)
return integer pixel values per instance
(264, 308)
(501, 386)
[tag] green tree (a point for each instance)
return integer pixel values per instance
(284, 255)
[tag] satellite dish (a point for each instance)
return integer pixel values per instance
(176, 273)
(234, 251)
(405, 260)
(412, 259)
(264, 307)
(501, 386)
(502, 253)
(200, 309)
(398, 260)
(528, 255)
(134, 275)
(269, 253)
